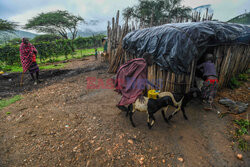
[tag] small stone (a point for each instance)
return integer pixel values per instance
(98, 149)
(180, 159)
(141, 162)
(88, 162)
(33, 135)
(240, 156)
(75, 149)
(163, 161)
(130, 141)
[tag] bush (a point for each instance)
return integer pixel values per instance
(234, 83)
(15, 41)
(9, 54)
(243, 77)
(243, 128)
(46, 38)
(88, 42)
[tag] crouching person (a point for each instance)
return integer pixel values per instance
(131, 80)
(210, 85)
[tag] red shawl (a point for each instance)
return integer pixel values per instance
(26, 53)
(131, 80)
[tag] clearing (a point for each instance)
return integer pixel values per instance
(61, 123)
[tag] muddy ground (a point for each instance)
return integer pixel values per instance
(61, 123)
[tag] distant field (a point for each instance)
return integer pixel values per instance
(77, 55)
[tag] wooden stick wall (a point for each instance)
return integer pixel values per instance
(230, 60)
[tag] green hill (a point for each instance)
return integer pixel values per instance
(6, 36)
(241, 19)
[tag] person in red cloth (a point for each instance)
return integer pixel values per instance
(131, 80)
(28, 58)
(210, 85)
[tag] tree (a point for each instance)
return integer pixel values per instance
(57, 22)
(128, 13)
(46, 38)
(157, 12)
(7, 25)
(15, 41)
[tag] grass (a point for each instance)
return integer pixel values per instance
(243, 127)
(77, 55)
(235, 82)
(18, 68)
(7, 102)
(50, 67)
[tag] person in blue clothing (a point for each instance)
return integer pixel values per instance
(210, 84)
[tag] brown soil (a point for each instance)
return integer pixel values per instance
(61, 123)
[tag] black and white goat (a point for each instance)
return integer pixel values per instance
(165, 99)
(179, 101)
(149, 106)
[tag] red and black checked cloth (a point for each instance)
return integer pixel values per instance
(26, 53)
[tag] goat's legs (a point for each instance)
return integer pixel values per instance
(130, 108)
(175, 112)
(130, 117)
(163, 112)
(184, 113)
(152, 122)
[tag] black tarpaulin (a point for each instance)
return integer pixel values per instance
(174, 46)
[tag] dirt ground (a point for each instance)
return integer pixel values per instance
(61, 123)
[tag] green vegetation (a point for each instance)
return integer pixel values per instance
(9, 54)
(235, 82)
(7, 25)
(243, 77)
(16, 67)
(15, 41)
(156, 12)
(241, 19)
(56, 22)
(243, 127)
(45, 38)
(6, 102)
(50, 67)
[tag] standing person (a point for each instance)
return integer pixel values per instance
(131, 80)
(96, 53)
(28, 58)
(210, 85)
(105, 49)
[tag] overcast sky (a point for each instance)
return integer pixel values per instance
(103, 10)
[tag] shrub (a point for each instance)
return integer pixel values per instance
(46, 38)
(234, 83)
(243, 77)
